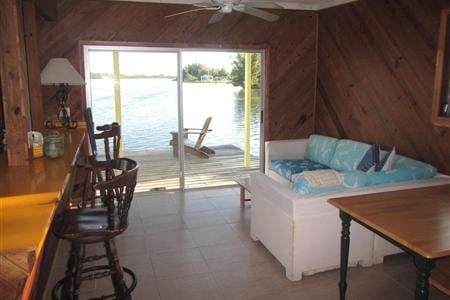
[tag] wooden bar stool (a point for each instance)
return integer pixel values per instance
(110, 134)
(110, 137)
(89, 225)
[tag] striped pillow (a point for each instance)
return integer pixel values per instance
(370, 160)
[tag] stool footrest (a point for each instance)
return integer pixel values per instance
(93, 258)
(96, 275)
(60, 283)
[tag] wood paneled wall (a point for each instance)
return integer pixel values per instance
(375, 76)
(292, 41)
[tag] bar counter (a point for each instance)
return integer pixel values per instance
(28, 201)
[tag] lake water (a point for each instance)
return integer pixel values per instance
(149, 111)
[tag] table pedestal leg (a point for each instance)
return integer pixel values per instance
(345, 246)
(423, 266)
(242, 196)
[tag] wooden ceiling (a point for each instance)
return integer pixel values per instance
(287, 4)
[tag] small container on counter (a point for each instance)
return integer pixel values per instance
(54, 145)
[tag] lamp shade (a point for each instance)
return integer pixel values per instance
(60, 70)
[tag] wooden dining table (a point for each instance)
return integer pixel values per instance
(415, 220)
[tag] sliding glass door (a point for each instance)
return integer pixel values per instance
(155, 93)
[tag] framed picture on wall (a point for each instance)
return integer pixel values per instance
(441, 97)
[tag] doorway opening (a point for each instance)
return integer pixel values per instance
(154, 93)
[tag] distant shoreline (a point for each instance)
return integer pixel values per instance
(136, 76)
(173, 78)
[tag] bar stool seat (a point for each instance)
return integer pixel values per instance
(88, 225)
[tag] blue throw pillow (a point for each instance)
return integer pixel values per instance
(387, 162)
(370, 159)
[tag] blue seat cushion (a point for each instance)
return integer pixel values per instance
(288, 168)
(402, 161)
(398, 175)
(321, 148)
(303, 187)
(348, 154)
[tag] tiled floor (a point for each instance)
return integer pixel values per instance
(196, 245)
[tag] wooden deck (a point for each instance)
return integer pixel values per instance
(158, 169)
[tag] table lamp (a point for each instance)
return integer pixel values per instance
(59, 71)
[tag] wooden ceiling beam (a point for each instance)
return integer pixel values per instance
(14, 82)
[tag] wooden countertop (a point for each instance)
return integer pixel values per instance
(43, 175)
(29, 194)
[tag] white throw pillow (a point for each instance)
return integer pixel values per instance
(387, 162)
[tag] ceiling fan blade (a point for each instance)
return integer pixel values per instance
(216, 17)
(256, 13)
(192, 10)
(204, 4)
(262, 5)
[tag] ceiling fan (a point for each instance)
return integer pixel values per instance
(223, 7)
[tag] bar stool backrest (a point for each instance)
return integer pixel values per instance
(111, 136)
(119, 192)
(90, 130)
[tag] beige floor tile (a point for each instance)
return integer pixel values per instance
(189, 194)
(203, 219)
(210, 295)
(135, 228)
(146, 289)
(131, 245)
(190, 205)
(251, 290)
(141, 265)
(243, 230)
(179, 264)
(159, 205)
(215, 235)
(225, 201)
(239, 274)
(236, 214)
(378, 287)
(197, 246)
(188, 287)
(171, 241)
(249, 253)
(225, 191)
(160, 224)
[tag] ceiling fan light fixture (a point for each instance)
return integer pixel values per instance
(227, 8)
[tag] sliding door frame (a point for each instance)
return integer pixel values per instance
(263, 50)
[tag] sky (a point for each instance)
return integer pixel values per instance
(154, 63)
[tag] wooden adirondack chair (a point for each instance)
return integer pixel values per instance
(191, 146)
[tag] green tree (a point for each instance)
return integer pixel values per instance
(193, 72)
(238, 70)
(220, 74)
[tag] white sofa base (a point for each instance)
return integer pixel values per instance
(303, 232)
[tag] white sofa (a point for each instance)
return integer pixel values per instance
(303, 231)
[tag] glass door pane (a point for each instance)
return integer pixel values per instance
(138, 89)
(214, 87)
